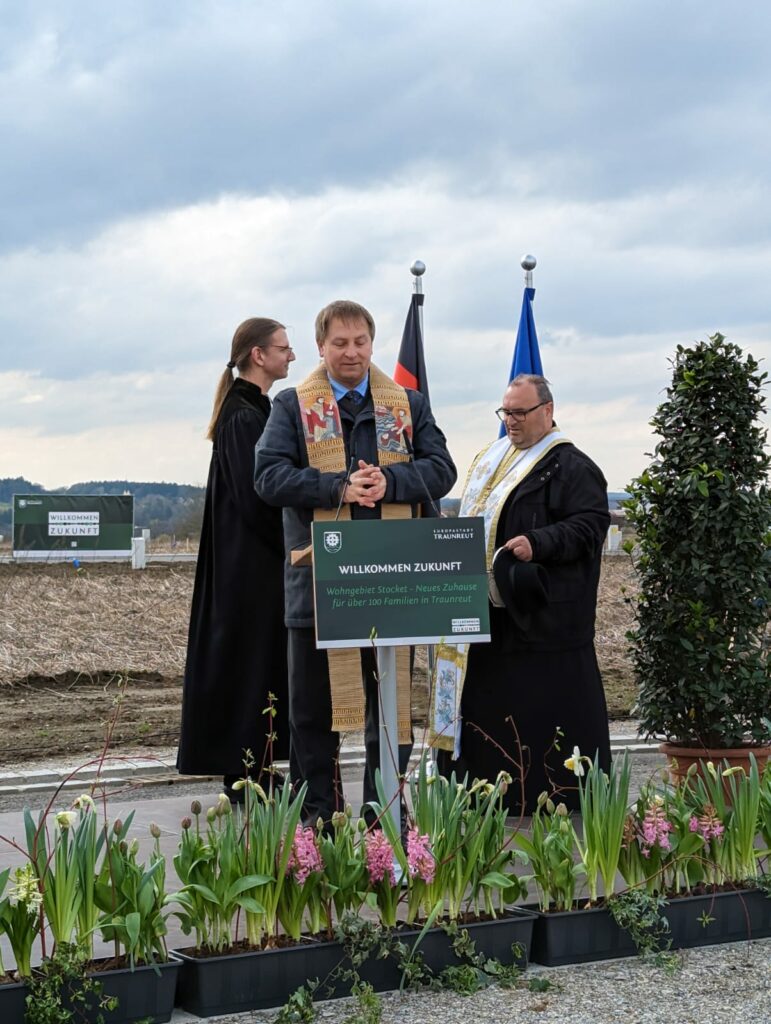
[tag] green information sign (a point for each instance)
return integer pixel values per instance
(80, 525)
(411, 580)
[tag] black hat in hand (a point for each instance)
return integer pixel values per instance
(519, 587)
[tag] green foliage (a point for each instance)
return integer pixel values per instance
(540, 984)
(550, 849)
(472, 851)
(19, 916)
(639, 914)
(463, 979)
(299, 1007)
(604, 800)
(703, 519)
(60, 990)
(132, 897)
(369, 1008)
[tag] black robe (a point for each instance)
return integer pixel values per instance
(543, 674)
(236, 651)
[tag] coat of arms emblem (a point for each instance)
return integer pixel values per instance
(333, 541)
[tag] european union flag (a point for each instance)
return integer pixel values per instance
(527, 358)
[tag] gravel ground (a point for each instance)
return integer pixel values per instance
(714, 985)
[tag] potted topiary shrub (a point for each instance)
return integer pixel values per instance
(703, 515)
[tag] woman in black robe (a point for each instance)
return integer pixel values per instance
(236, 653)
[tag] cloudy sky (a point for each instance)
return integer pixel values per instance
(170, 169)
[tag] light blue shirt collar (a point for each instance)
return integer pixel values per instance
(340, 390)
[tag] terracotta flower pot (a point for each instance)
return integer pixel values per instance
(681, 758)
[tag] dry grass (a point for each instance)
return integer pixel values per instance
(67, 640)
(104, 618)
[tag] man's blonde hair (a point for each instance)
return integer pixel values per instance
(345, 310)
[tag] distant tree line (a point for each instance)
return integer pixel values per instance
(159, 507)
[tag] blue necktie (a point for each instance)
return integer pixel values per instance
(354, 397)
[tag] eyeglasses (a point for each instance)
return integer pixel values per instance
(281, 348)
(518, 415)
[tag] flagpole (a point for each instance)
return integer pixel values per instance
(528, 264)
(417, 270)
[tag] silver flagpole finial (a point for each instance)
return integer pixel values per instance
(528, 263)
(417, 270)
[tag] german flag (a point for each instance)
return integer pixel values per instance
(410, 369)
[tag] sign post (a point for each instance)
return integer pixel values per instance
(398, 582)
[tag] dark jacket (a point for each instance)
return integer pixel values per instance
(284, 478)
(562, 509)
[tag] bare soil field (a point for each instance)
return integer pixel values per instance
(81, 649)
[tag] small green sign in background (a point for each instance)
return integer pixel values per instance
(411, 580)
(81, 525)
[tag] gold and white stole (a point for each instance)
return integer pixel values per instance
(323, 436)
(495, 472)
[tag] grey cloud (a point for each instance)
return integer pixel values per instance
(140, 107)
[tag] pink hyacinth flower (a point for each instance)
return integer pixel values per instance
(304, 856)
(420, 859)
(380, 857)
(655, 830)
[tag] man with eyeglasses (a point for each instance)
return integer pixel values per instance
(535, 691)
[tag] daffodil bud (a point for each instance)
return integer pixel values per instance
(66, 819)
(257, 788)
(238, 785)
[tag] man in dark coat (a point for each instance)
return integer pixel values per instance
(534, 692)
(347, 438)
(236, 654)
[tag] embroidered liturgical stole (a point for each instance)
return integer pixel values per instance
(324, 443)
(494, 474)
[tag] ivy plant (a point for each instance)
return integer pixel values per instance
(702, 515)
